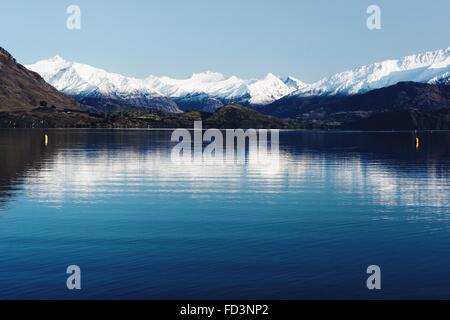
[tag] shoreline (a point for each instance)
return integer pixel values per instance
(222, 129)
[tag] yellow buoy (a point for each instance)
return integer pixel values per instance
(417, 143)
(45, 139)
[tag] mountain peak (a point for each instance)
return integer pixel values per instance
(57, 59)
(208, 76)
(268, 90)
(6, 54)
(271, 76)
(23, 90)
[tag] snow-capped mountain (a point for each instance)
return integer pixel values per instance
(100, 89)
(78, 79)
(83, 82)
(216, 85)
(429, 67)
(209, 90)
(267, 90)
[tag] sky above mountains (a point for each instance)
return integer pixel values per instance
(305, 39)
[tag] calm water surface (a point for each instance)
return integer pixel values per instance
(140, 226)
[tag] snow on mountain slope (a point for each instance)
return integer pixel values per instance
(294, 83)
(211, 83)
(268, 90)
(83, 80)
(99, 89)
(428, 67)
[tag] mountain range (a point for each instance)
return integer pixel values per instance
(28, 101)
(405, 94)
(208, 91)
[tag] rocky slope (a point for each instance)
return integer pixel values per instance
(25, 90)
(338, 110)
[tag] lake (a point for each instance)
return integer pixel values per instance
(304, 227)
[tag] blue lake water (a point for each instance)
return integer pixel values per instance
(305, 227)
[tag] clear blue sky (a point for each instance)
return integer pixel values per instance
(307, 39)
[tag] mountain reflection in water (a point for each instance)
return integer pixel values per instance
(314, 219)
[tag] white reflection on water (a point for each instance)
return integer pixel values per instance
(99, 175)
(390, 187)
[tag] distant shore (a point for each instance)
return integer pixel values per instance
(229, 117)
